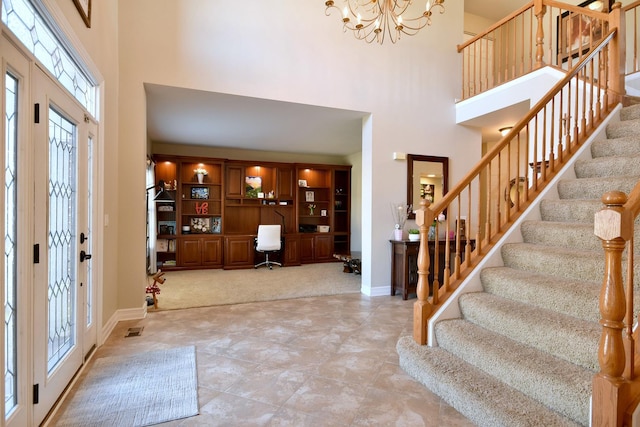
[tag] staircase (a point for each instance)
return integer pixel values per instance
(524, 351)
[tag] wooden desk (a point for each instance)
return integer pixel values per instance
(404, 264)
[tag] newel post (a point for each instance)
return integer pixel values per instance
(539, 10)
(617, 55)
(422, 308)
(613, 225)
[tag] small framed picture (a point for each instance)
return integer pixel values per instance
(309, 196)
(302, 183)
(199, 192)
(201, 225)
(323, 212)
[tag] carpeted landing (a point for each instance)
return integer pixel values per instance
(525, 351)
(202, 288)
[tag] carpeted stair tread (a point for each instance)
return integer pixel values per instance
(569, 210)
(481, 398)
(623, 128)
(562, 336)
(631, 112)
(594, 188)
(560, 262)
(624, 146)
(602, 167)
(567, 235)
(571, 297)
(557, 384)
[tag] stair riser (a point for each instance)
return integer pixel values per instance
(623, 129)
(630, 113)
(581, 211)
(576, 299)
(628, 146)
(594, 188)
(608, 167)
(555, 234)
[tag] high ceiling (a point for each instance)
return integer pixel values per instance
(187, 116)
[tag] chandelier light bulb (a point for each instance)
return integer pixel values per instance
(376, 19)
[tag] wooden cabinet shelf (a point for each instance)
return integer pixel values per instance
(234, 197)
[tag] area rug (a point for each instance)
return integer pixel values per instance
(203, 288)
(137, 390)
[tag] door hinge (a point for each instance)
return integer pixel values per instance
(36, 393)
(36, 253)
(36, 113)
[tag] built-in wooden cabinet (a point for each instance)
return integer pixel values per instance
(213, 219)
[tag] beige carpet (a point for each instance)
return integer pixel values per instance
(201, 288)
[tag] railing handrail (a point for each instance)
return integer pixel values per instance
(498, 24)
(519, 126)
(631, 6)
(575, 9)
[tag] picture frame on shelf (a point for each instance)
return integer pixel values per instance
(216, 224)
(162, 245)
(302, 183)
(253, 186)
(309, 196)
(166, 227)
(199, 192)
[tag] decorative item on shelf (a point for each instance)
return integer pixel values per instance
(438, 225)
(309, 196)
(414, 234)
(372, 20)
(311, 207)
(400, 212)
(199, 192)
(253, 186)
(302, 183)
(200, 173)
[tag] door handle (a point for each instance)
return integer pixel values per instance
(84, 256)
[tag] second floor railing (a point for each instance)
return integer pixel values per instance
(540, 33)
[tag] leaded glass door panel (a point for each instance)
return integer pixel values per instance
(61, 175)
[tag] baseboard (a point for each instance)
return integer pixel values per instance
(122, 315)
(378, 291)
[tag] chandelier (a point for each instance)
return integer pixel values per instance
(372, 19)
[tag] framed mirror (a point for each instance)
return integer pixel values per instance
(427, 178)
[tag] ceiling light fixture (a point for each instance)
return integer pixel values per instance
(504, 131)
(371, 19)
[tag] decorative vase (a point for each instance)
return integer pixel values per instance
(397, 234)
(200, 178)
(432, 232)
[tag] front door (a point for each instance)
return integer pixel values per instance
(63, 307)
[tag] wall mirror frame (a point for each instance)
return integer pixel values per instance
(434, 171)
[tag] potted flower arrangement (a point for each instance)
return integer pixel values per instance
(200, 173)
(414, 234)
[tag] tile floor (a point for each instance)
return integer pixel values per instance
(322, 361)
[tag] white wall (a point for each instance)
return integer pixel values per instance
(290, 51)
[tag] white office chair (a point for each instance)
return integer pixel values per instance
(268, 241)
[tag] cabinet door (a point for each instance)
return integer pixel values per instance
(286, 180)
(306, 247)
(235, 181)
(212, 251)
(323, 247)
(238, 251)
(190, 252)
(291, 250)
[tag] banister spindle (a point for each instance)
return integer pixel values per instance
(539, 10)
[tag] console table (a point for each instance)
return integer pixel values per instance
(404, 264)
